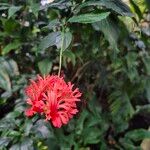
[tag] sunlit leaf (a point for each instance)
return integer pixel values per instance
(89, 18)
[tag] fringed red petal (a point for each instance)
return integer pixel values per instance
(54, 98)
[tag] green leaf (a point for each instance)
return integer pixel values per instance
(146, 60)
(120, 100)
(4, 80)
(117, 6)
(91, 135)
(53, 24)
(138, 134)
(80, 122)
(14, 133)
(147, 88)
(52, 143)
(4, 4)
(11, 26)
(50, 40)
(41, 130)
(12, 10)
(4, 141)
(69, 55)
(26, 144)
(15, 147)
(45, 66)
(28, 126)
(35, 7)
(7, 124)
(89, 18)
(11, 46)
(65, 141)
(8, 68)
(110, 31)
(132, 62)
(127, 144)
(55, 38)
(143, 109)
(67, 40)
(139, 6)
(4, 7)
(148, 4)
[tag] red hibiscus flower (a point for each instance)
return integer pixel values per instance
(53, 97)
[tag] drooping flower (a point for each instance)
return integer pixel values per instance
(52, 97)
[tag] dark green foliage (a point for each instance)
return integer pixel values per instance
(106, 53)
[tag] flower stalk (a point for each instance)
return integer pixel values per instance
(61, 52)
